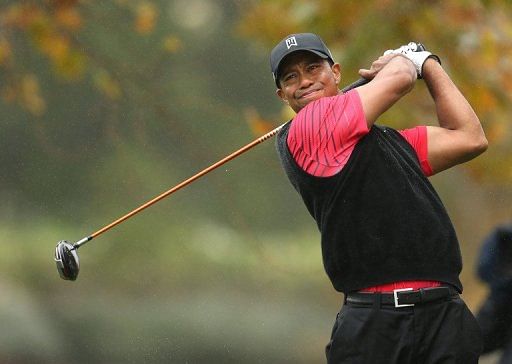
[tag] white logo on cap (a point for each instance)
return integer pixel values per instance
(291, 42)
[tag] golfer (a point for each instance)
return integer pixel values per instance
(387, 241)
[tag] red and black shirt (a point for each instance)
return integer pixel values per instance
(382, 224)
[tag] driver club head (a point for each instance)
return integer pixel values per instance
(67, 261)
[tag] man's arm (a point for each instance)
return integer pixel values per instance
(459, 136)
(392, 76)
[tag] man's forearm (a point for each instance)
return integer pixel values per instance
(393, 76)
(453, 110)
(460, 136)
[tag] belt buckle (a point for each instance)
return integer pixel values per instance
(395, 296)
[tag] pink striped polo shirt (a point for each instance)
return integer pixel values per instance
(323, 135)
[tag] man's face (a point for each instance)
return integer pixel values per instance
(305, 77)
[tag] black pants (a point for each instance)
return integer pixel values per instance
(437, 332)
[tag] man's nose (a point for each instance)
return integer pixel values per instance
(305, 80)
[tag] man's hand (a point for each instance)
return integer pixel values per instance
(407, 48)
(416, 53)
(377, 66)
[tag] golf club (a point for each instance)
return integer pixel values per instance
(66, 256)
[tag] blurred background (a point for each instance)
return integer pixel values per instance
(104, 105)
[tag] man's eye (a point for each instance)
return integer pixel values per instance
(288, 77)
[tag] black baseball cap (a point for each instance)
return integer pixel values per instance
(297, 42)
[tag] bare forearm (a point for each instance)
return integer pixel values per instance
(453, 110)
(393, 76)
(460, 136)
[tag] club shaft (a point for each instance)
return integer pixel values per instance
(198, 175)
(188, 181)
(359, 82)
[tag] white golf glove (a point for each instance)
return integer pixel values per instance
(416, 53)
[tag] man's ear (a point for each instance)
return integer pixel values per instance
(282, 96)
(336, 70)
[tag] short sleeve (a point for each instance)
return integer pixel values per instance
(417, 138)
(323, 134)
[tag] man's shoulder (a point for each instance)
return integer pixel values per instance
(324, 104)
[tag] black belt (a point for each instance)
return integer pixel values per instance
(401, 297)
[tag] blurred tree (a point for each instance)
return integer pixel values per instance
(103, 100)
(473, 38)
(134, 82)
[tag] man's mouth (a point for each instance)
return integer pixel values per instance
(308, 94)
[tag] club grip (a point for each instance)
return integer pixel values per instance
(360, 82)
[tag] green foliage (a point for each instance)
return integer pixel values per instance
(473, 39)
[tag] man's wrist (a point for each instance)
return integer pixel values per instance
(410, 63)
(430, 64)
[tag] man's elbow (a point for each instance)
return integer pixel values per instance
(482, 144)
(479, 143)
